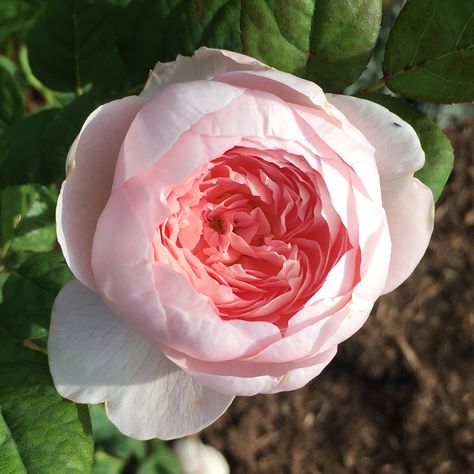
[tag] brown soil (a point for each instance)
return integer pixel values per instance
(399, 397)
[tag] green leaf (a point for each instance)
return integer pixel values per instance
(26, 310)
(106, 464)
(21, 157)
(29, 292)
(11, 100)
(10, 458)
(115, 451)
(328, 41)
(51, 435)
(31, 280)
(161, 461)
(72, 43)
(27, 217)
(60, 134)
(46, 270)
(430, 51)
(12, 207)
(34, 149)
(159, 30)
(109, 439)
(436, 145)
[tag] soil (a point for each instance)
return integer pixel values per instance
(399, 397)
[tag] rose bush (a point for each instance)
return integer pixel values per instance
(228, 228)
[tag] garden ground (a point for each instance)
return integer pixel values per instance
(399, 397)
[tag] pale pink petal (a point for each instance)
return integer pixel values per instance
(408, 203)
(409, 206)
(239, 70)
(291, 380)
(90, 170)
(287, 87)
(164, 119)
(128, 278)
(375, 245)
(178, 164)
(193, 328)
(352, 148)
(95, 357)
(205, 64)
(270, 117)
(310, 347)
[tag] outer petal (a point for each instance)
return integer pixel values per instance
(205, 64)
(95, 357)
(90, 169)
(248, 386)
(236, 69)
(408, 203)
(287, 87)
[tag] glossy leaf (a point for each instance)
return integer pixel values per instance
(159, 30)
(430, 51)
(72, 42)
(48, 433)
(436, 145)
(328, 41)
(46, 270)
(10, 458)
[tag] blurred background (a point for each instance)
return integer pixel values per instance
(398, 398)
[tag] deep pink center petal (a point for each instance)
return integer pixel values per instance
(249, 233)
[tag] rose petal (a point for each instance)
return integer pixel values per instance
(409, 206)
(164, 119)
(292, 380)
(95, 357)
(205, 64)
(408, 203)
(239, 70)
(271, 117)
(186, 320)
(287, 87)
(91, 165)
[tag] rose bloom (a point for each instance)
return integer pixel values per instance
(227, 229)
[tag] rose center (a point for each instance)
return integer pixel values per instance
(216, 224)
(248, 233)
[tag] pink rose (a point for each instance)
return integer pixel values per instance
(228, 228)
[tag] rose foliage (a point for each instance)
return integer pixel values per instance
(227, 228)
